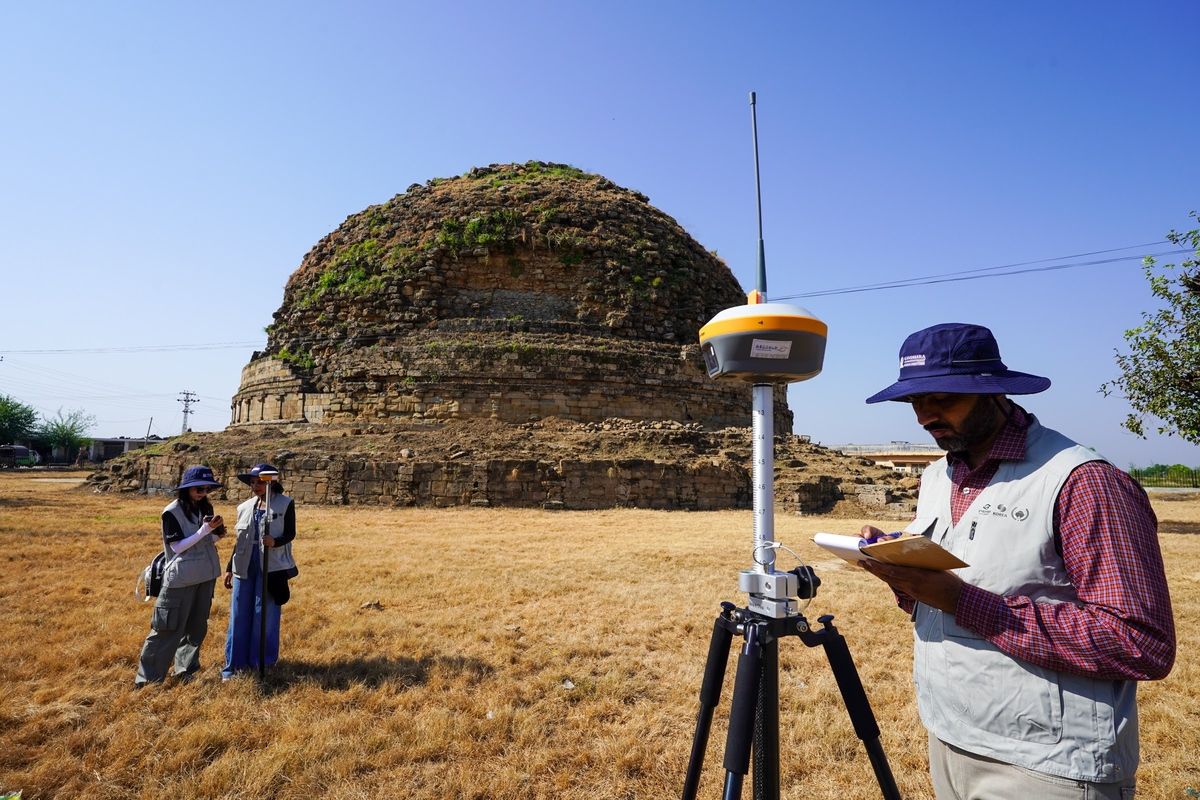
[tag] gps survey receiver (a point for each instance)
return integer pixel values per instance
(763, 343)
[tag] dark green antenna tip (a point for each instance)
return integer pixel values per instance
(760, 283)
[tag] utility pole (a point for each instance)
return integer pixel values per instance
(187, 398)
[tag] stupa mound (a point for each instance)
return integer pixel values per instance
(525, 335)
(515, 292)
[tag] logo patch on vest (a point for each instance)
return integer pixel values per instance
(1004, 512)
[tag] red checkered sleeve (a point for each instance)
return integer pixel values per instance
(1122, 627)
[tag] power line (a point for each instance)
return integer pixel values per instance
(991, 272)
(157, 348)
(1002, 270)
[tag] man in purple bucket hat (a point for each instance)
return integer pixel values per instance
(1026, 662)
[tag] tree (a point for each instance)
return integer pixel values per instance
(68, 431)
(18, 422)
(1160, 375)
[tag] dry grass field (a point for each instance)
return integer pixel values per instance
(515, 654)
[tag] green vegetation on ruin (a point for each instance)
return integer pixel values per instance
(301, 359)
(531, 171)
(499, 228)
(360, 270)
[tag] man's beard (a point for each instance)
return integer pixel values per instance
(977, 426)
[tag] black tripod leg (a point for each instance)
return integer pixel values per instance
(742, 714)
(710, 695)
(766, 737)
(855, 698)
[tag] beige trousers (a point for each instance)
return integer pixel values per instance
(959, 775)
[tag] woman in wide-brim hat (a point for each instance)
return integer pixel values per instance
(190, 531)
(244, 573)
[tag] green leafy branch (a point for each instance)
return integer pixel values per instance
(1160, 375)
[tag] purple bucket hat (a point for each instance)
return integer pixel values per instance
(198, 476)
(959, 359)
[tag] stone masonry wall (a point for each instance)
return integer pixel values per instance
(567, 484)
(447, 376)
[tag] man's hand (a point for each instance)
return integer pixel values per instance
(269, 541)
(933, 588)
(228, 580)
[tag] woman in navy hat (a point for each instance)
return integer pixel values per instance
(190, 530)
(244, 573)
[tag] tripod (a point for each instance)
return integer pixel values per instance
(771, 614)
(754, 711)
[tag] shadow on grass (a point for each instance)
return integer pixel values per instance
(372, 672)
(25, 502)
(1179, 527)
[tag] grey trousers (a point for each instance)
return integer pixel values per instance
(177, 629)
(959, 775)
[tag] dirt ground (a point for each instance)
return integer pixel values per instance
(469, 653)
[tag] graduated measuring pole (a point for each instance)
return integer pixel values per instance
(187, 398)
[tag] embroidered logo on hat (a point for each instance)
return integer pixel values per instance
(912, 361)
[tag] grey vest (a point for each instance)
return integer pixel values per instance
(976, 697)
(278, 558)
(197, 564)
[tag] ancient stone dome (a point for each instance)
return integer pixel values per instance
(514, 292)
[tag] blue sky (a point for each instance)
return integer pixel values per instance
(166, 167)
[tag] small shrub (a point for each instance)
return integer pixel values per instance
(298, 359)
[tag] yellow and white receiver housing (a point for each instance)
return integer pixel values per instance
(764, 343)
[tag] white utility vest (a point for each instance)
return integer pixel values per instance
(197, 564)
(976, 697)
(278, 558)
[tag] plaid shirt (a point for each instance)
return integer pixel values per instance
(1122, 627)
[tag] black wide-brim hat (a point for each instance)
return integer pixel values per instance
(248, 477)
(956, 358)
(198, 476)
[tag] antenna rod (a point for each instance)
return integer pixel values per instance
(760, 283)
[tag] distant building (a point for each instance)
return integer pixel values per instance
(900, 456)
(102, 449)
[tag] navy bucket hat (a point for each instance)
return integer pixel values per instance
(958, 359)
(198, 476)
(248, 477)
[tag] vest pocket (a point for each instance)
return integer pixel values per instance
(191, 567)
(997, 693)
(166, 615)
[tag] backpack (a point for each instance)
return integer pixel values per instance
(149, 582)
